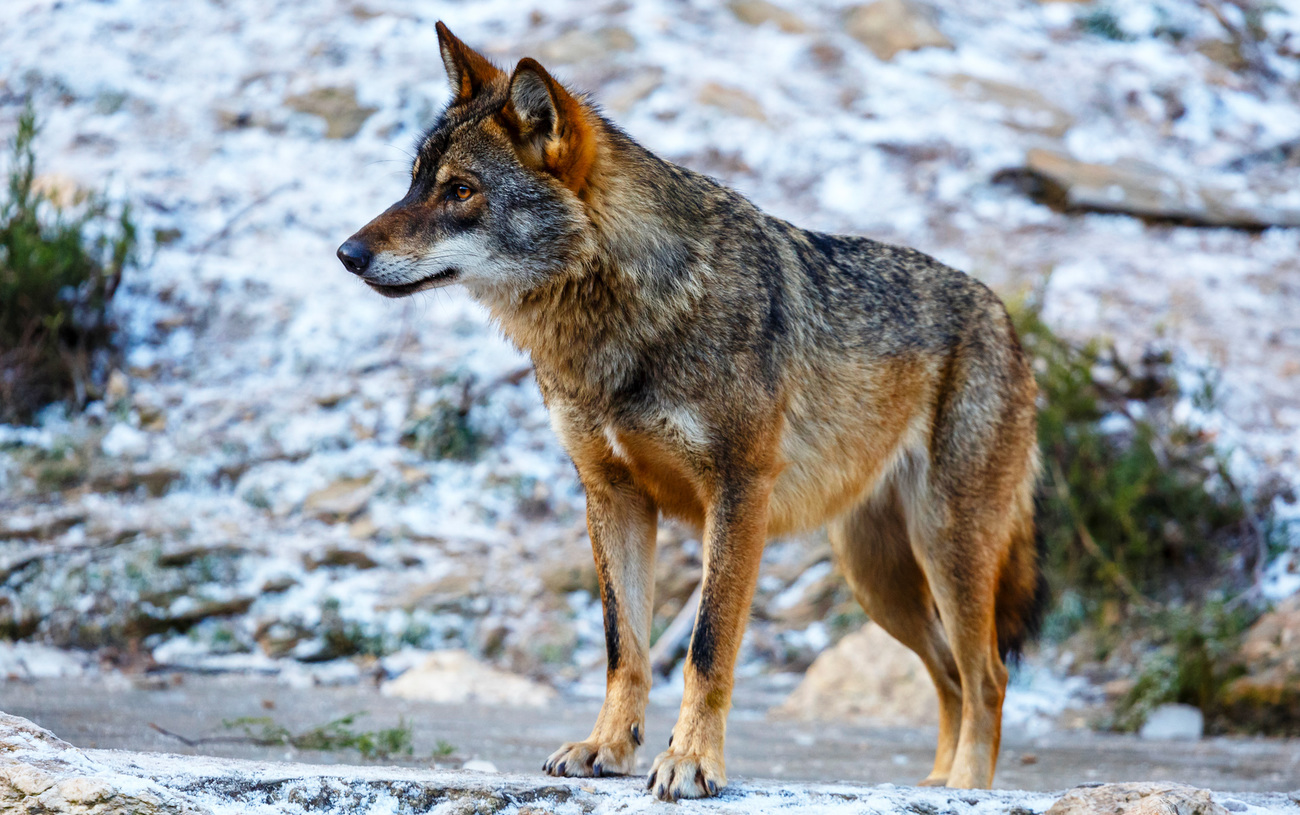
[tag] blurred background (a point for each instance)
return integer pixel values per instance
(241, 496)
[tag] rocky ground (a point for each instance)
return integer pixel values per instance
(288, 477)
(516, 739)
(40, 773)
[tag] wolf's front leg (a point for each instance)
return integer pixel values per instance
(734, 534)
(622, 523)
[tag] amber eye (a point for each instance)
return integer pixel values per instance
(461, 192)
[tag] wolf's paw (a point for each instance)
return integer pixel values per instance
(594, 758)
(679, 774)
(933, 781)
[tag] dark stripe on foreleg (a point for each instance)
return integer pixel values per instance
(704, 640)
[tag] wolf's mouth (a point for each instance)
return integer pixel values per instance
(406, 289)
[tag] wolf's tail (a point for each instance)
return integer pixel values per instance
(1023, 593)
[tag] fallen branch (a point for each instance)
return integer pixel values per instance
(674, 640)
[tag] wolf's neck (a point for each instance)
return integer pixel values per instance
(643, 275)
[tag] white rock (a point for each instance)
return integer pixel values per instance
(455, 677)
(867, 675)
(41, 773)
(124, 441)
(1174, 723)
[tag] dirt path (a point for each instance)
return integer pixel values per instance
(116, 713)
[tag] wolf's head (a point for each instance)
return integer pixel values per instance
(497, 187)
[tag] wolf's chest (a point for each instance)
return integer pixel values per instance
(668, 457)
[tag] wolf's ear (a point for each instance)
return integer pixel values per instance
(467, 70)
(552, 128)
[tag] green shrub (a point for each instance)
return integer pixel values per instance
(58, 273)
(1192, 660)
(444, 434)
(334, 735)
(1132, 506)
(1102, 22)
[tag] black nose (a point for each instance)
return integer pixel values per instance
(355, 256)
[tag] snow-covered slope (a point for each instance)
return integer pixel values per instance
(264, 383)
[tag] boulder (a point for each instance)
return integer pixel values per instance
(338, 106)
(761, 12)
(1174, 723)
(340, 501)
(40, 773)
(1021, 108)
(867, 675)
(1268, 696)
(890, 26)
(1138, 188)
(577, 46)
(455, 677)
(1137, 799)
(731, 99)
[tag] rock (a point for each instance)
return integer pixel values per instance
(890, 26)
(40, 773)
(63, 191)
(867, 675)
(1143, 190)
(1025, 109)
(731, 99)
(337, 106)
(342, 500)
(339, 556)
(1137, 799)
(117, 389)
(124, 441)
(1224, 52)
(41, 526)
(1268, 696)
(761, 12)
(1274, 640)
(809, 598)
(363, 528)
(156, 479)
(185, 612)
(578, 575)
(453, 592)
(623, 96)
(576, 45)
(1174, 723)
(455, 677)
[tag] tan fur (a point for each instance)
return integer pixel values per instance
(707, 362)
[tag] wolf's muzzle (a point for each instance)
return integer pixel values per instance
(355, 256)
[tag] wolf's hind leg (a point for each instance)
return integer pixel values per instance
(622, 523)
(872, 546)
(960, 561)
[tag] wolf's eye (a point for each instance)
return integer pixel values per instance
(461, 192)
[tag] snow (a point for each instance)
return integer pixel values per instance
(279, 374)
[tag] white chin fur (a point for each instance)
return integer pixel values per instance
(454, 260)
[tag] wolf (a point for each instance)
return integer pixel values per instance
(704, 361)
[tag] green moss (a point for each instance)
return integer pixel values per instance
(58, 273)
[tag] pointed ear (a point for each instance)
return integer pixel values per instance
(553, 130)
(467, 70)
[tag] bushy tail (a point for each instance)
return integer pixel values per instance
(1022, 587)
